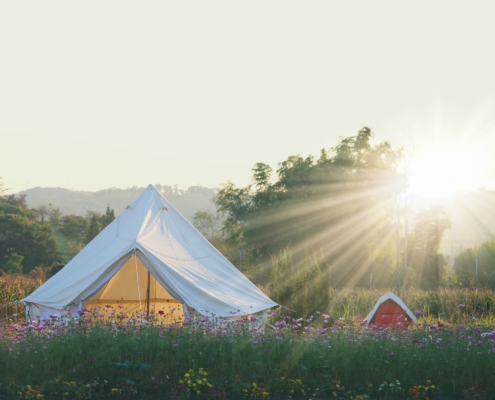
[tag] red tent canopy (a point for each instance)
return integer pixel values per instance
(390, 310)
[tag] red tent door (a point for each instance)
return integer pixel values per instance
(390, 313)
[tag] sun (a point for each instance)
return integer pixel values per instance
(438, 174)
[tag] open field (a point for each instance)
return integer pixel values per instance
(108, 353)
(449, 354)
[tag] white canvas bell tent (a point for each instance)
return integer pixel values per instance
(150, 258)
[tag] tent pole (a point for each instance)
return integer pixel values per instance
(148, 296)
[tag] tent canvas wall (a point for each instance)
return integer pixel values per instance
(390, 310)
(149, 258)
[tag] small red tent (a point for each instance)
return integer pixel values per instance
(390, 310)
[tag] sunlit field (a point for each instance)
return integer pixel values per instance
(108, 353)
(448, 354)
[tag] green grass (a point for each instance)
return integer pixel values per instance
(235, 357)
(454, 358)
(447, 305)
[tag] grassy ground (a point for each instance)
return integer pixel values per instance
(315, 358)
(449, 354)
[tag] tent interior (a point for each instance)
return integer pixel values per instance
(134, 290)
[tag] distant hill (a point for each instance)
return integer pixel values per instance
(472, 214)
(187, 202)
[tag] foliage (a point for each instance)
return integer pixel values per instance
(93, 229)
(208, 224)
(25, 242)
(336, 203)
(33, 241)
(98, 222)
(429, 266)
(307, 289)
(484, 256)
(13, 265)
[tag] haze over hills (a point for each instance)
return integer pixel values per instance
(76, 202)
(473, 221)
(472, 213)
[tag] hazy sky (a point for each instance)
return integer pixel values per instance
(98, 94)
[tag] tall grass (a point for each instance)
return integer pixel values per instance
(315, 353)
(451, 305)
(318, 353)
(17, 287)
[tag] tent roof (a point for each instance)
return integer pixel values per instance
(383, 299)
(186, 264)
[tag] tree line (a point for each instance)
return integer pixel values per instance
(340, 217)
(42, 237)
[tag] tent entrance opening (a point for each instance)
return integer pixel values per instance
(132, 291)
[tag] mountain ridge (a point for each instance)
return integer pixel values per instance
(78, 202)
(472, 213)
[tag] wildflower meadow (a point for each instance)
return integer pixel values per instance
(109, 354)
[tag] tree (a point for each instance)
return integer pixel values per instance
(261, 176)
(108, 217)
(93, 229)
(42, 211)
(482, 256)
(13, 265)
(208, 224)
(73, 229)
(236, 204)
(55, 217)
(336, 203)
(17, 201)
(36, 243)
(429, 228)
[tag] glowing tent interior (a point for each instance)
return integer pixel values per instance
(149, 258)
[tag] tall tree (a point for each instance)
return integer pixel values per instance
(208, 223)
(108, 217)
(20, 235)
(93, 229)
(477, 265)
(429, 228)
(336, 203)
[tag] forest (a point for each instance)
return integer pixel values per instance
(338, 219)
